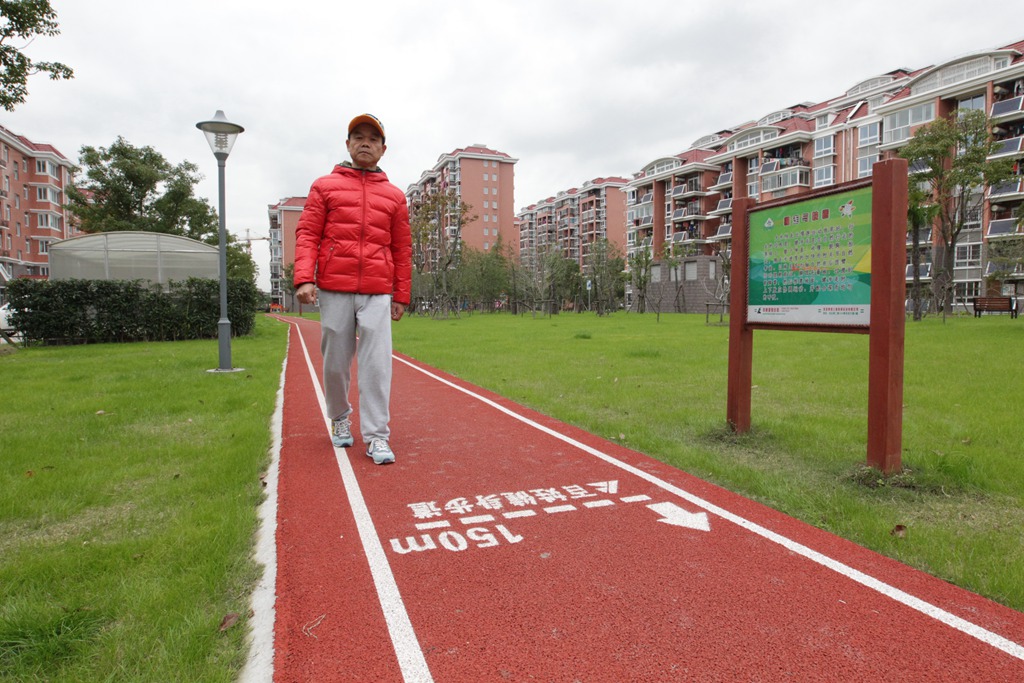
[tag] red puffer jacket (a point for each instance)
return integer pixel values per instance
(353, 235)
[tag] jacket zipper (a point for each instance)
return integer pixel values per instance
(362, 238)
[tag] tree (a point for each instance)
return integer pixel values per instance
(23, 20)
(603, 267)
(641, 263)
(485, 275)
(720, 294)
(436, 226)
(1006, 256)
(560, 280)
(952, 155)
(136, 188)
(921, 213)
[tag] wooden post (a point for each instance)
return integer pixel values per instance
(741, 337)
(888, 297)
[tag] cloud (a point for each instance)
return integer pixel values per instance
(574, 89)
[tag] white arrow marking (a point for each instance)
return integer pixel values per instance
(677, 516)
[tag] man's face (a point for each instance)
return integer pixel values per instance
(365, 146)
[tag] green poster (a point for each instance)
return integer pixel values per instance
(810, 261)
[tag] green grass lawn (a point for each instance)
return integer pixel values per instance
(660, 388)
(129, 487)
(130, 477)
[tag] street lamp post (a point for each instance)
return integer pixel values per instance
(221, 134)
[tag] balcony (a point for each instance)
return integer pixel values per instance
(724, 181)
(924, 269)
(1008, 148)
(1008, 109)
(1003, 227)
(687, 189)
(925, 239)
(724, 207)
(724, 232)
(1011, 190)
(1014, 272)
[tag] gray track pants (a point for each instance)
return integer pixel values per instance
(341, 316)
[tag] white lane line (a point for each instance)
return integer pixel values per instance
(479, 519)
(560, 508)
(984, 635)
(635, 499)
(518, 513)
(423, 526)
(598, 503)
(407, 647)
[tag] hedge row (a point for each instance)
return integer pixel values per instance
(93, 311)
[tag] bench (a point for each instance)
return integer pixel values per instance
(995, 304)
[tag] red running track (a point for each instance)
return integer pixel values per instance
(506, 546)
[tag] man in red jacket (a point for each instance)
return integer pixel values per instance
(353, 244)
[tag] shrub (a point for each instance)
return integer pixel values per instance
(93, 311)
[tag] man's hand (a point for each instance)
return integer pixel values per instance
(306, 293)
(397, 310)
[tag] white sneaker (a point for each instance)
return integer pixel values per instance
(341, 433)
(380, 452)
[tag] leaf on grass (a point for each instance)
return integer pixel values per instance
(899, 531)
(30, 473)
(228, 621)
(101, 412)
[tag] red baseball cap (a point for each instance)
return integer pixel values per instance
(368, 119)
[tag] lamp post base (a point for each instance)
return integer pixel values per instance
(227, 370)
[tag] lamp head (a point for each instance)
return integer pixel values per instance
(220, 133)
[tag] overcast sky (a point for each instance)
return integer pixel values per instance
(573, 89)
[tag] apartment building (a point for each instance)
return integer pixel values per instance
(685, 201)
(284, 217)
(483, 179)
(572, 221)
(32, 213)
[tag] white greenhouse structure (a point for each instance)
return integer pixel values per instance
(153, 256)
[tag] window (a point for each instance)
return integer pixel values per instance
(790, 178)
(825, 147)
(865, 164)
(487, 217)
(972, 102)
(868, 134)
(968, 290)
(485, 190)
(690, 270)
(968, 256)
(485, 177)
(824, 176)
(44, 167)
(494, 177)
(897, 126)
(486, 204)
(957, 73)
